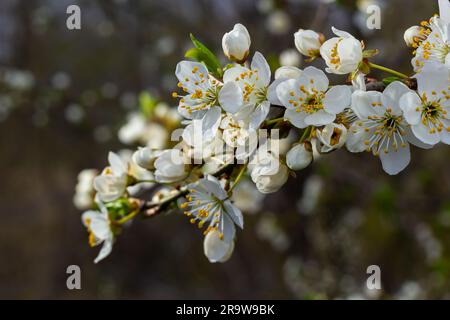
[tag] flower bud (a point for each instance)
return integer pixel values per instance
(215, 248)
(300, 156)
(145, 157)
(269, 174)
(236, 43)
(413, 35)
(331, 137)
(308, 42)
(171, 166)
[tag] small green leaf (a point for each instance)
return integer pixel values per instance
(202, 54)
(389, 80)
(147, 103)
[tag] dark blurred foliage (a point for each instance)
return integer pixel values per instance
(82, 83)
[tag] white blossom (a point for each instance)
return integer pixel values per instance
(428, 109)
(433, 44)
(245, 91)
(309, 101)
(381, 128)
(199, 88)
(342, 54)
(112, 182)
(208, 203)
(332, 136)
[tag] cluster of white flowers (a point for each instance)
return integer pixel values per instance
(235, 117)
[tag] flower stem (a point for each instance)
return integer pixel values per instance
(276, 120)
(396, 73)
(238, 178)
(306, 134)
(128, 217)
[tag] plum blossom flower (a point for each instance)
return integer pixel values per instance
(200, 88)
(343, 53)
(208, 203)
(381, 128)
(309, 101)
(236, 43)
(433, 41)
(112, 182)
(245, 91)
(308, 42)
(99, 228)
(428, 109)
(331, 137)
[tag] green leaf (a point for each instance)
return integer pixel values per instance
(202, 54)
(389, 80)
(147, 103)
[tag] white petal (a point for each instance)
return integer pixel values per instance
(412, 139)
(365, 104)
(340, 33)
(231, 74)
(105, 251)
(259, 115)
(286, 89)
(296, 118)
(259, 63)
(230, 97)
(234, 213)
(184, 73)
(355, 138)
(422, 133)
(318, 77)
(392, 94)
(117, 165)
(319, 118)
(337, 99)
(444, 11)
(211, 122)
(288, 72)
(214, 248)
(395, 161)
(272, 92)
(411, 105)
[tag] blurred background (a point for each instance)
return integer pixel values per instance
(68, 97)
